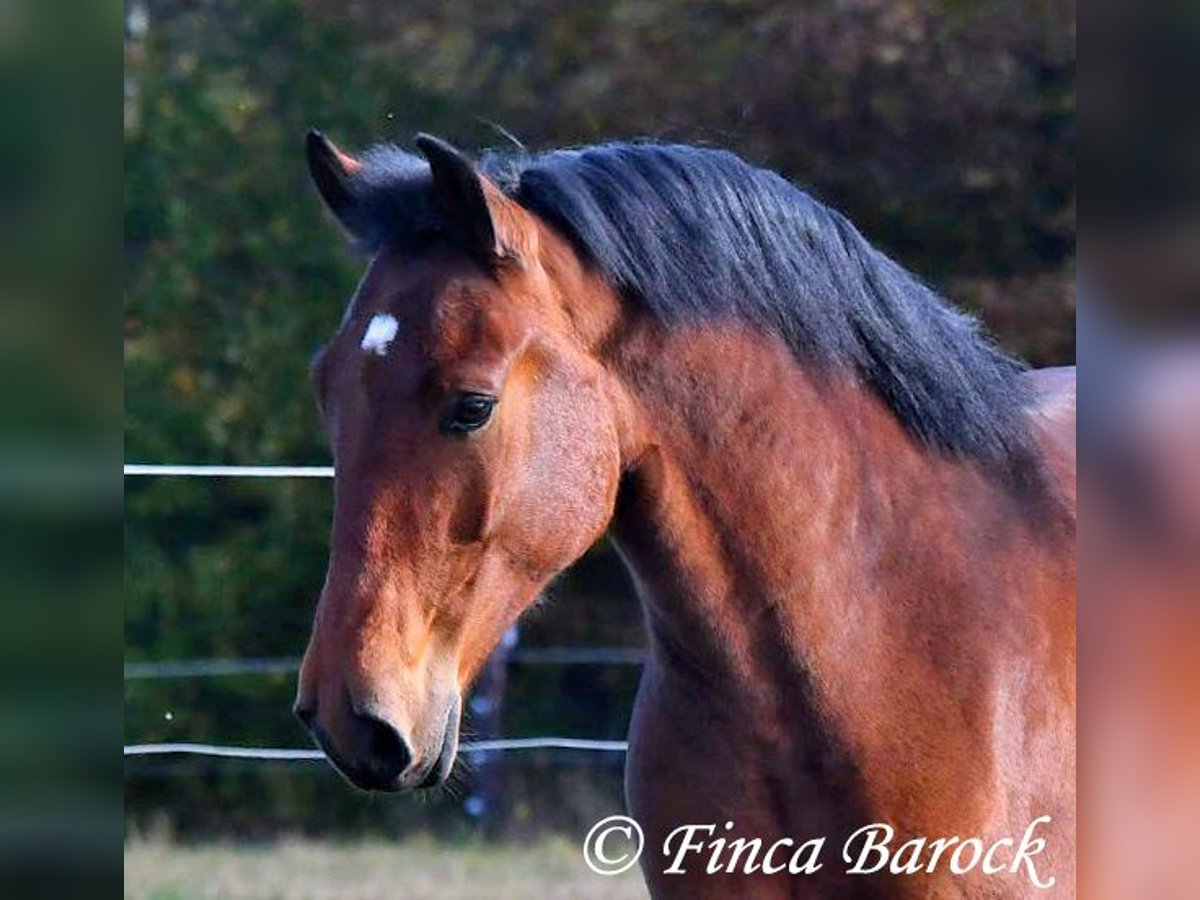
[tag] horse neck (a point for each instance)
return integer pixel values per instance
(783, 528)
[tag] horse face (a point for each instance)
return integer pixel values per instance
(476, 456)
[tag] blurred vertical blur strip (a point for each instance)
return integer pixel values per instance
(1139, 545)
(60, 405)
(1141, 227)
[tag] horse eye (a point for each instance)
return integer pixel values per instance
(469, 412)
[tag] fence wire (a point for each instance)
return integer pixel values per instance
(273, 665)
(206, 471)
(306, 754)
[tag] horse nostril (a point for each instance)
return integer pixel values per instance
(387, 752)
(304, 713)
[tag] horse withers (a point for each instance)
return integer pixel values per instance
(850, 518)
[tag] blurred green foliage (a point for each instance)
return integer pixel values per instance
(945, 130)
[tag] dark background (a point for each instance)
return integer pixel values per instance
(945, 130)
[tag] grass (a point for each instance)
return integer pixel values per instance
(412, 869)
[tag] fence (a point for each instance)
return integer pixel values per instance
(491, 686)
(202, 668)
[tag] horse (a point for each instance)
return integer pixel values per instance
(849, 516)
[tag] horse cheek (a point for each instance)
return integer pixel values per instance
(571, 484)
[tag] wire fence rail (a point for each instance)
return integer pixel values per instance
(295, 754)
(218, 471)
(276, 665)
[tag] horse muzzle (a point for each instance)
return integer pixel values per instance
(375, 753)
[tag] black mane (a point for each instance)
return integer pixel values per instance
(692, 232)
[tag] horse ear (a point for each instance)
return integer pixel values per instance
(331, 171)
(463, 194)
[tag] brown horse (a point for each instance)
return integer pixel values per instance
(850, 518)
